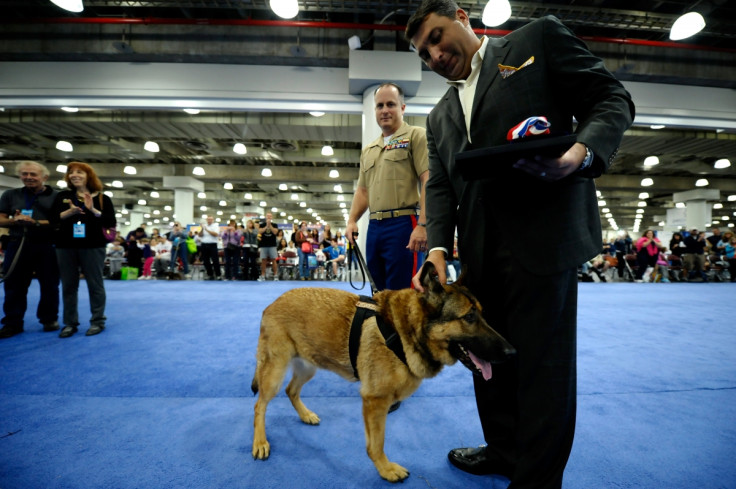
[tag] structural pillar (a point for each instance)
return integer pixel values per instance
(698, 210)
(184, 188)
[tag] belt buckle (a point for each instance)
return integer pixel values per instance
(379, 215)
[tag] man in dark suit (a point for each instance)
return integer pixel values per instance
(528, 292)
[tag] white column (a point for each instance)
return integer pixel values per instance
(370, 132)
(184, 206)
(698, 209)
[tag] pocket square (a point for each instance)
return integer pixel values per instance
(507, 71)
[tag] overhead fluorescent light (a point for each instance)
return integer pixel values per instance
(61, 168)
(141, 202)
(61, 184)
(117, 184)
(70, 109)
(283, 187)
(721, 164)
(266, 172)
(227, 186)
(687, 25)
(316, 113)
(154, 194)
(286, 9)
(263, 203)
(151, 146)
(64, 146)
(496, 12)
(70, 5)
(327, 150)
(702, 182)
(647, 182)
(191, 111)
(338, 188)
(644, 195)
(130, 170)
(718, 205)
(334, 174)
(240, 149)
(198, 170)
(248, 196)
(201, 195)
(651, 161)
(657, 126)
(222, 203)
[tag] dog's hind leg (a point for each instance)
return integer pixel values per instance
(375, 411)
(271, 371)
(303, 372)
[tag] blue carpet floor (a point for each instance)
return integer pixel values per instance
(161, 399)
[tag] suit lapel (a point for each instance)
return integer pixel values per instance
(496, 51)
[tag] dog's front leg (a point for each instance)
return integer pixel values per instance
(375, 411)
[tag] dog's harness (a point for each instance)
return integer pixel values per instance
(366, 308)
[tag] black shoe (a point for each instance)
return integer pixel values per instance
(394, 406)
(9, 331)
(479, 462)
(52, 326)
(94, 329)
(67, 331)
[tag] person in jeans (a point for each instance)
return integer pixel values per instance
(209, 233)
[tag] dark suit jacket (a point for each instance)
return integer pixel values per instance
(565, 80)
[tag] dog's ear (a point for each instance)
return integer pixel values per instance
(429, 279)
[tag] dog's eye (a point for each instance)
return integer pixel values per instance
(471, 316)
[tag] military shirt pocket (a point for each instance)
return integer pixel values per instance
(398, 164)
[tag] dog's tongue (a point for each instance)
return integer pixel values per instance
(485, 367)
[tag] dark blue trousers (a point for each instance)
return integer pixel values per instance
(390, 263)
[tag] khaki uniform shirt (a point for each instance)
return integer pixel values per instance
(391, 172)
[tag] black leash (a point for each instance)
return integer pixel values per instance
(16, 257)
(354, 253)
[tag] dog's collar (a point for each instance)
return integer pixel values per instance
(366, 308)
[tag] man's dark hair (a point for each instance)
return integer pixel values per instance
(445, 8)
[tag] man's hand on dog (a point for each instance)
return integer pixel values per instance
(437, 257)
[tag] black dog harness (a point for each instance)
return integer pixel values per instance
(367, 308)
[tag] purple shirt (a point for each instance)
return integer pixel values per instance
(231, 237)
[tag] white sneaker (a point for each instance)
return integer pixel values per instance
(261, 279)
(142, 277)
(275, 279)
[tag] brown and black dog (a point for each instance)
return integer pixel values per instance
(436, 328)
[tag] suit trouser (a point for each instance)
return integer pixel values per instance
(41, 259)
(527, 410)
(390, 263)
(91, 261)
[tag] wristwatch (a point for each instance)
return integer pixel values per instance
(588, 159)
(423, 224)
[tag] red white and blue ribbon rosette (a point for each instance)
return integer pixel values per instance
(533, 126)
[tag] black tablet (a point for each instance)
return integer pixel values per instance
(481, 162)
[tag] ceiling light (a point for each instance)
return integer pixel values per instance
(327, 150)
(117, 184)
(643, 195)
(70, 109)
(647, 182)
(283, 187)
(191, 111)
(64, 146)
(2, 169)
(227, 186)
(248, 196)
(496, 12)
(641, 204)
(687, 25)
(302, 204)
(154, 194)
(61, 184)
(337, 188)
(605, 209)
(262, 203)
(167, 207)
(731, 198)
(354, 43)
(609, 215)
(651, 161)
(294, 197)
(343, 205)
(718, 206)
(141, 202)
(657, 126)
(703, 182)
(680, 205)
(266, 172)
(601, 203)
(240, 149)
(108, 193)
(286, 9)
(639, 211)
(70, 5)
(151, 146)
(274, 209)
(130, 170)
(202, 207)
(198, 170)
(722, 163)
(223, 203)
(316, 113)
(61, 168)
(202, 195)
(334, 174)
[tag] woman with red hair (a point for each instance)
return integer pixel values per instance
(82, 211)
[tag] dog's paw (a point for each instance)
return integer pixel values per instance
(261, 450)
(394, 472)
(309, 417)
